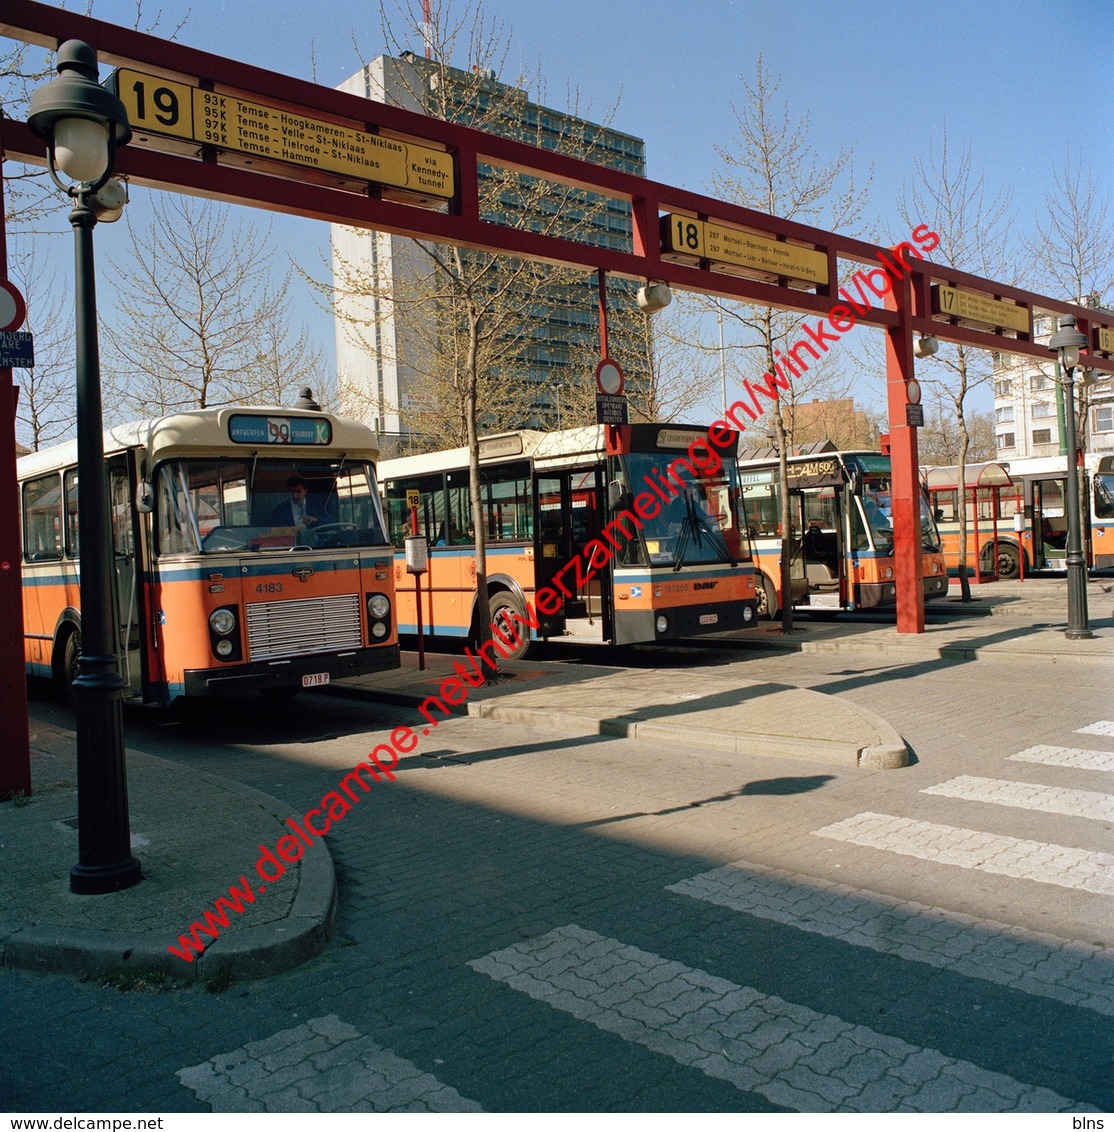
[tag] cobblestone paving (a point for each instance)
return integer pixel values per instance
(813, 973)
(324, 1065)
(1068, 971)
(973, 849)
(788, 1053)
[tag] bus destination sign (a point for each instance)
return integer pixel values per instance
(178, 110)
(974, 306)
(245, 428)
(733, 247)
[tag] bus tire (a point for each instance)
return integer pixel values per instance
(503, 606)
(1009, 559)
(766, 597)
(67, 671)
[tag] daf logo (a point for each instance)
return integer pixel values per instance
(303, 573)
(704, 585)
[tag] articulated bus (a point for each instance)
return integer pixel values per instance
(841, 541)
(1032, 487)
(249, 553)
(642, 544)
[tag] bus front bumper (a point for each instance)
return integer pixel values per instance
(881, 594)
(641, 626)
(288, 672)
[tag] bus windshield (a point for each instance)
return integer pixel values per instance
(699, 525)
(1104, 496)
(211, 506)
(876, 501)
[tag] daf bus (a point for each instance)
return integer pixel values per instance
(841, 537)
(249, 552)
(641, 543)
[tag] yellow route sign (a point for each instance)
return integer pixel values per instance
(1104, 339)
(974, 306)
(178, 110)
(732, 247)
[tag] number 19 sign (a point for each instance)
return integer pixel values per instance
(179, 110)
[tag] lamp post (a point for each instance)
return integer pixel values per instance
(1065, 344)
(83, 124)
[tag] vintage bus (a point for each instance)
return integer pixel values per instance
(1038, 540)
(249, 552)
(841, 541)
(642, 543)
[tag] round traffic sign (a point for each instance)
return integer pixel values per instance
(609, 377)
(13, 310)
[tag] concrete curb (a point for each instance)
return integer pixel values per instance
(889, 754)
(247, 953)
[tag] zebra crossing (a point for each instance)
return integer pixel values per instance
(813, 1061)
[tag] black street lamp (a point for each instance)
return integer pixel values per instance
(83, 124)
(1066, 343)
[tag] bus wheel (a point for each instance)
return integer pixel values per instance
(767, 602)
(68, 669)
(502, 607)
(1008, 560)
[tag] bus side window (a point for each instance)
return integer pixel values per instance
(42, 519)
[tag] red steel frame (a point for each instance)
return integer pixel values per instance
(303, 192)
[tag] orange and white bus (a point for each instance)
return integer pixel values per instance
(221, 583)
(841, 541)
(640, 544)
(1032, 487)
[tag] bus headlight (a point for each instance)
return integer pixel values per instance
(662, 623)
(379, 629)
(224, 647)
(222, 622)
(748, 614)
(378, 606)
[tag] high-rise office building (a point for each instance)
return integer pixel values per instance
(382, 337)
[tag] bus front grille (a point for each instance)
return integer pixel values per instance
(297, 628)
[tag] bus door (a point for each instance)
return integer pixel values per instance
(569, 507)
(1050, 525)
(817, 562)
(126, 574)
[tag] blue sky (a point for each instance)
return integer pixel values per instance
(1018, 79)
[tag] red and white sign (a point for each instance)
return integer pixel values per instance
(609, 377)
(13, 310)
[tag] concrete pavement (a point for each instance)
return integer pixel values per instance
(180, 818)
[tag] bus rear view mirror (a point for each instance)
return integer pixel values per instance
(856, 483)
(615, 495)
(144, 498)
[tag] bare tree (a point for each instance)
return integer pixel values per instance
(200, 320)
(772, 166)
(46, 409)
(974, 229)
(467, 311)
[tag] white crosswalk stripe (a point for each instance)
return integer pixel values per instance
(760, 1043)
(971, 849)
(1027, 796)
(323, 1065)
(1036, 963)
(1074, 757)
(1103, 727)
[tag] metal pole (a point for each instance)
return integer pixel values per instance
(105, 862)
(1077, 629)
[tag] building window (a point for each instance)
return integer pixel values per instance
(1005, 440)
(1038, 382)
(1104, 418)
(1042, 436)
(1003, 388)
(1003, 415)
(1043, 409)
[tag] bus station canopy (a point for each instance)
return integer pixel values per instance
(975, 475)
